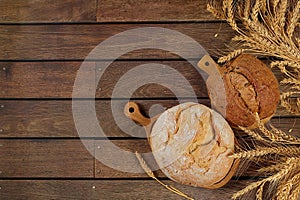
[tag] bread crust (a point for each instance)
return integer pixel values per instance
(251, 88)
(191, 144)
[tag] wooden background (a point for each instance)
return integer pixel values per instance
(42, 45)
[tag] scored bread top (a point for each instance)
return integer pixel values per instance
(191, 144)
(251, 88)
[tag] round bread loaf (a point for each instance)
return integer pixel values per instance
(250, 87)
(191, 144)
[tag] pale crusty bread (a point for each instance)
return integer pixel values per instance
(191, 144)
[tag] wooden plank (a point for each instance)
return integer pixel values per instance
(129, 166)
(108, 11)
(50, 42)
(110, 189)
(44, 79)
(30, 79)
(19, 11)
(118, 70)
(45, 158)
(153, 10)
(56, 79)
(25, 118)
(37, 119)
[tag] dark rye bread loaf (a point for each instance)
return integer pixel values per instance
(251, 88)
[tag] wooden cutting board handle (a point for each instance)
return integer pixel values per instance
(208, 65)
(132, 111)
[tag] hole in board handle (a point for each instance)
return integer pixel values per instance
(131, 109)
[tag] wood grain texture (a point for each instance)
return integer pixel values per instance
(109, 189)
(54, 118)
(37, 119)
(42, 44)
(51, 42)
(69, 159)
(56, 79)
(45, 158)
(19, 11)
(44, 79)
(123, 164)
(120, 78)
(66, 159)
(153, 10)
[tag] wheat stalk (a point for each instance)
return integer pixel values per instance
(290, 81)
(151, 174)
(275, 3)
(272, 168)
(286, 63)
(275, 135)
(290, 165)
(286, 101)
(229, 15)
(247, 9)
(280, 17)
(252, 133)
(262, 151)
(285, 189)
(266, 132)
(285, 47)
(232, 55)
(259, 193)
(215, 12)
(287, 138)
(267, 29)
(255, 11)
(293, 20)
(247, 189)
(295, 193)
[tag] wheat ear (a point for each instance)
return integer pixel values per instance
(151, 174)
(286, 62)
(285, 189)
(259, 193)
(215, 12)
(287, 138)
(266, 132)
(230, 56)
(255, 11)
(280, 17)
(253, 134)
(294, 20)
(295, 193)
(272, 168)
(290, 81)
(285, 102)
(261, 151)
(290, 165)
